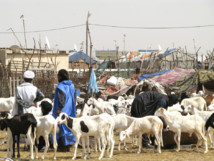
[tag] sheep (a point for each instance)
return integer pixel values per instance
(89, 110)
(5, 115)
(145, 125)
(19, 124)
(7, 104)
(36, 111)
(205, 115)
(46, 125)
(79, 100)
(200, 93)
(102, 106)
(38, 104)
(197, 102)
(210, 107)
(122, 122)
(209, 99)
(83, 127)
(189, 124)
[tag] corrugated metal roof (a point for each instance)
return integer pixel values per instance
(76, 56)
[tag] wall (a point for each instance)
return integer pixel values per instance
(51, 59)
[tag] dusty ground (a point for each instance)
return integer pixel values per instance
(186, 154)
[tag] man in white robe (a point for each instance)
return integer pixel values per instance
(26, 94)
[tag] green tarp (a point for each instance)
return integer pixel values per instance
(192, 81)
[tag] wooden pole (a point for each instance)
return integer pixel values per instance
(87, 32)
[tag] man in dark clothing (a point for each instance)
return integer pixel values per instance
(147, 103)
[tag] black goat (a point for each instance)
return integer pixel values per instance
(19, 124)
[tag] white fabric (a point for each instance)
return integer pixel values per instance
(112, 80)
(29, 74)
(27, 92)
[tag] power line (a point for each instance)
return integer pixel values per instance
(46, 30)
(156, 28)
(113, 26)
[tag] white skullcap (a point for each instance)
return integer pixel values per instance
(29, 74)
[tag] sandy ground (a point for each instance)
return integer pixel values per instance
(186, 154)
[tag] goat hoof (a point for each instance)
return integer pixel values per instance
(18, 156)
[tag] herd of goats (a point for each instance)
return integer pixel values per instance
(100, 119)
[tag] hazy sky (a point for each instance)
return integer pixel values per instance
(51, 14)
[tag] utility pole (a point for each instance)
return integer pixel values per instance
(87, 29)
(124, 43)
(22, 17)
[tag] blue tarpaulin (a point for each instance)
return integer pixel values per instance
(76, 56)
(92, 87)
(144, 76)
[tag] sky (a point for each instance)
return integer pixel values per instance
(42, 15)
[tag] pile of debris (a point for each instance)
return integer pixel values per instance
(114, 84)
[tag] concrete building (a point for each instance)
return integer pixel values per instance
(36, 59)
(108, 54)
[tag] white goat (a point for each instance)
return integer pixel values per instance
(189, 124)
(83, 127)
(197, 102)
(200, 93)
(46, 125)
(7, 104)
(36, 111)
(122, 122)
(145, 125)
(102, 106)
(79, 100)
(205, 115)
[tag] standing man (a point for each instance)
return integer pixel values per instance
(26, 94)
(64, 101)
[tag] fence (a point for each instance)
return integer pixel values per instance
(45, 80)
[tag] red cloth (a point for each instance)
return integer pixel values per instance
(172, 76)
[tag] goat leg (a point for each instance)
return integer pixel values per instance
(13, 156)
(18, 137)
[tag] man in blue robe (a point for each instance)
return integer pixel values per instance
(64, 101)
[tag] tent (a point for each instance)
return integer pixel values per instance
(194, 81)
(76, 56)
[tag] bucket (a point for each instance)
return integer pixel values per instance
(77, 92)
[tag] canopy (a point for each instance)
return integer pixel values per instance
(144, 76)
